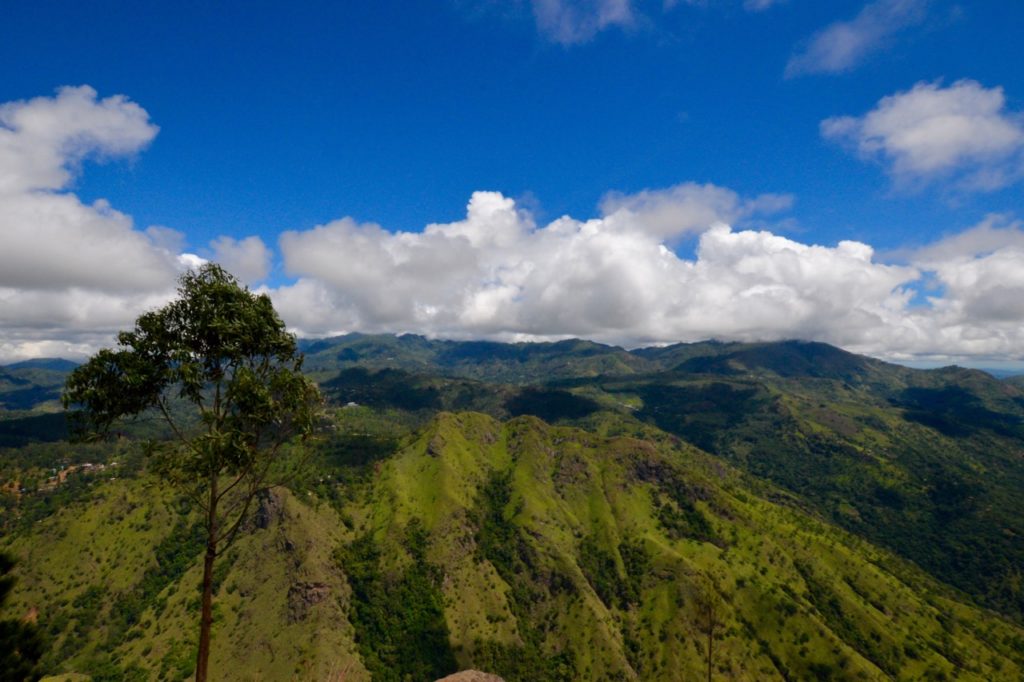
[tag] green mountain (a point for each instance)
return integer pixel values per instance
(33, 384)
(559, 512)
(924, 462)
(511, 363)
(534, 551)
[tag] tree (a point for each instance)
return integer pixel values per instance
(21, 647)
(708, 604)
(219, 369)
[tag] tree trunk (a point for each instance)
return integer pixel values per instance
(711, 638)
(206, 619)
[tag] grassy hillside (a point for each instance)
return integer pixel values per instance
(113, 581)
(926, 463)
(565, 555)
(849, 518)
(534, 551)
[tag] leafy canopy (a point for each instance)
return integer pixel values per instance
(219, 348)
(21, 646)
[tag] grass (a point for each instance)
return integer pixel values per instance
(543, 553)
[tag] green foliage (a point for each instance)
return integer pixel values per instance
(175, 554)
(598, 565)
(32, 428)
(220, 348)
(550, 405)
(21, 645)
(399, 619)
(637, 563)
(35, 467)
(499, 541)
(225, 352)
(529, 522)
(520, 520)
(32, 385)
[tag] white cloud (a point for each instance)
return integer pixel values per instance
(247, 259)
(962, 132)
(72, 274)
(978, 277)
(52, 241)
(761, 5)
(571, 22)
(498, 275)
(994, 233)
(687, 208)
(43, 140)
(81, 272)
(845, 44)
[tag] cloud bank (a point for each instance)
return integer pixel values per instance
(72, 274)
(961, 133)
(497, 274)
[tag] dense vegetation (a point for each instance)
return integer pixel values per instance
(821, 515)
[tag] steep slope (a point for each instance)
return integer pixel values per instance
(112, 581)
(927, 463)
(564, 555)
(531, 551)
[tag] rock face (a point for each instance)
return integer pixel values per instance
(471, 676)
(303, 596)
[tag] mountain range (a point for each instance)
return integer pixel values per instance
(557, 511)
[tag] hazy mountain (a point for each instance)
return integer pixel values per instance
(33, 384)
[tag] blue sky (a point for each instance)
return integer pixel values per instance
(276, 119)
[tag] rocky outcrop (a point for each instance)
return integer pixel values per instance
(471, 676)
(302, 597)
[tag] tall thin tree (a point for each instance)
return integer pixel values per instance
(221, 371)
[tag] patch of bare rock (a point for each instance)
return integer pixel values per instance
(471, 676)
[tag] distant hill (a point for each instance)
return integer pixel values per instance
(54, 364)
(516, 363)
(32, 386)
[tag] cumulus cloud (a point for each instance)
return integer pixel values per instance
(686, 208)
(497, 274)
(845, 44)
(72, 273)
(996, 232)
(248, 259)
(43, 140)
(962, 132)
(571, 22)
(51, 240)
